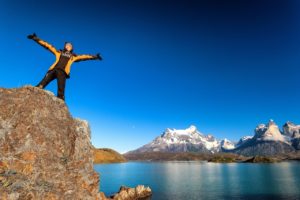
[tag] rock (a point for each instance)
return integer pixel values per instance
(14, 196)
(44, 152)
(138, 193)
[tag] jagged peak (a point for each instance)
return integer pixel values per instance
(271, 122)
(289, 123)
(268, 131)
(266, 126)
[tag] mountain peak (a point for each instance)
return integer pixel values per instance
(271, 122)
(192, 128)
(289, 123)
(268, 131)
(292, 130)
(188, 131)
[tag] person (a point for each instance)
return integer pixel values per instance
(60, 69)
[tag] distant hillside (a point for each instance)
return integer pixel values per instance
(209, 157)
(105, 155)
(185, 156)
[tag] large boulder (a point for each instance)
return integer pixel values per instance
(140, 192)
(44, 152)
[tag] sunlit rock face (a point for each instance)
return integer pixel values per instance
(44, 152)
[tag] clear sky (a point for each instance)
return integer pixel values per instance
(223, 66)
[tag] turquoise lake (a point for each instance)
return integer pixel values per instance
(203, 180)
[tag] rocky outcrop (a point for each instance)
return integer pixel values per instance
(44, 152)
(126, 193)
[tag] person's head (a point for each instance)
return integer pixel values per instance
(68, 46)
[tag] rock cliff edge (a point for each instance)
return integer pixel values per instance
(44, 152)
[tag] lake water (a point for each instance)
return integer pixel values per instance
(202, 180)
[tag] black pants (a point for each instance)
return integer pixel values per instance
(58, 74)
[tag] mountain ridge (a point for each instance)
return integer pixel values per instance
(268, 138)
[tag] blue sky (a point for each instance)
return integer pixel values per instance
(224, 66)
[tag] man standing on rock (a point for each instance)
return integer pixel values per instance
(60, 69)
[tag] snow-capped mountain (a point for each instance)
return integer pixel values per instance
(267, 140)
(269, 132)
(186, 140)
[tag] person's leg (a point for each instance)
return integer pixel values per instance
(50, 76)
(61, 83)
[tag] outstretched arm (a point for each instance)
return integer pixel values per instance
(42, 43)
(83, 57)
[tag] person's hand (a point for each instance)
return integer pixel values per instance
(32, 36)
(98, 56)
